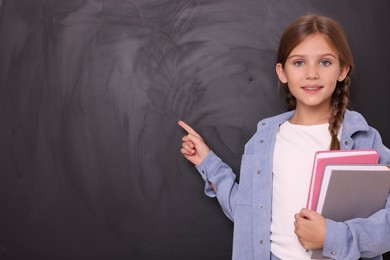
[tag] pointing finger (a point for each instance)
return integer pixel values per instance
(188, 128)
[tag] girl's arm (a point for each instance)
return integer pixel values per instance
(220, 182)
(219, 177)
(361, 237)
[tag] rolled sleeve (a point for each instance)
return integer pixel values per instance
(214, 170)
(337, 240)
(206, 168)
(366, 238)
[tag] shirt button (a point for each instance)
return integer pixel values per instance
(333, 253)
(346, 143)
(263, 123)
(258, 171)
(261, 141)
(261, 242)
(260, 206)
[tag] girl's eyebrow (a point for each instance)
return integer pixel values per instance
(303, 56)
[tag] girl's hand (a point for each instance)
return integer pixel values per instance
(310, 228)
(193, 148)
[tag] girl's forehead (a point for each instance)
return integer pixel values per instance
(314, 44)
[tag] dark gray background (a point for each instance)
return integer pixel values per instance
(90, 94)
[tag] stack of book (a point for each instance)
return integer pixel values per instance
(347, 184)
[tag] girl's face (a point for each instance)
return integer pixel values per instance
(311, 71)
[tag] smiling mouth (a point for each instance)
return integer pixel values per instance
(312, 89)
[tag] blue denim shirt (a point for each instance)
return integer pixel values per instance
(248, 203)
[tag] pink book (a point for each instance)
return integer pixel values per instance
(323, 158)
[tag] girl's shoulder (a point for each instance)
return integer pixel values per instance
(277, 119)
(358, 133)
(354, 122)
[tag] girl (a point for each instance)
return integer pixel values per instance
(314, 62)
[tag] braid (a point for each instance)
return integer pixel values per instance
(339, 105)
(290, 99)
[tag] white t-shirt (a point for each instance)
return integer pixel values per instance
(292, 165)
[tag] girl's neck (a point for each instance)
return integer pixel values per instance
(310, 117)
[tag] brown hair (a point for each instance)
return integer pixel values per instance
(298, 31)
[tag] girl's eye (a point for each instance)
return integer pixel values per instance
(325, 63)
(298, 63)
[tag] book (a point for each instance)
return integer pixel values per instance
(323, 158)
(352, 191)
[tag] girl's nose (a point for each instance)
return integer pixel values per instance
(312, 73)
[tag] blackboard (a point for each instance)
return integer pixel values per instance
(90, 95)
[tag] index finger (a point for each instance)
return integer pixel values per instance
(188, 128)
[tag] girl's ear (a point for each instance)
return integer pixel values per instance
(343, 73)
(281, 75)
